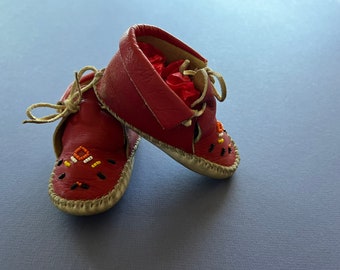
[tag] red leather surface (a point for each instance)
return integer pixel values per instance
(103, 136)
(133, 89)
(119, 92)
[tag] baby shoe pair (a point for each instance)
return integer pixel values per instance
(155, 87)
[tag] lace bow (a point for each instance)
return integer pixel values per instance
(70, 104)
(208, 74)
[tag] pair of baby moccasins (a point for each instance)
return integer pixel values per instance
(155, 87)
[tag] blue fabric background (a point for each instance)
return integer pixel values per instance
(281, 61)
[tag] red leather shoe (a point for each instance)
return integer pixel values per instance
(95, 153)
(135, 91)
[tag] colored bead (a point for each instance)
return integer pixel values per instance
(62, 176)
(74, 160)
(67, 163)
(220, 131)
(96, 164)
(219, 127)
(86, 160)
(81, 153)
(80, 184)
(60, 162)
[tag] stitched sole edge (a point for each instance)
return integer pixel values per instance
(96, 206)
(192, 162)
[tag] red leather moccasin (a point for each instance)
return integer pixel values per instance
(95, 152)
(162, 89)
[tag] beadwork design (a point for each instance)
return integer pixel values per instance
(67, 163)
(89, 158)
(80, 184)
(74, 160)
(220, 132)
(81, 153)
(95, 164)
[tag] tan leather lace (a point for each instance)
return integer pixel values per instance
(208, 74)
(70, 104)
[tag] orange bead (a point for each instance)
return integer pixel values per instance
(219, 127)
(81, 153)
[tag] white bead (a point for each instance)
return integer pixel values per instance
(74, 160)
(88, 159)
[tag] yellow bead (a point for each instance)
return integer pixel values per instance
(220, 140)
(67, 163)
(96, 164)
